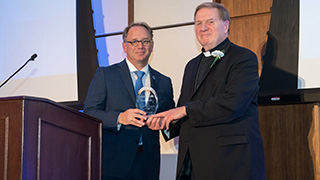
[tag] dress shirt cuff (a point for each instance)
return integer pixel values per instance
(118, 124)
(167, 133)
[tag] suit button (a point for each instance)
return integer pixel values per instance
(187, 140)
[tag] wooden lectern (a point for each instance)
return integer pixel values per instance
(290, 135)
(40, 139)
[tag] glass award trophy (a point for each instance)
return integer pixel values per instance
(147, 100)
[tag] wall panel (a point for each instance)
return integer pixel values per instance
(164, 12)
(251, 32)
(173, 48)
(288, 132)
(247, 7)
(250, 21)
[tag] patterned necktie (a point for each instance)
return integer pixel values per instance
(138, 84)
(137, 87)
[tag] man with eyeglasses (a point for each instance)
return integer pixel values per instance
(217, 115)
(130, 149)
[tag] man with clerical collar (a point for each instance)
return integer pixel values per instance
(216, 118)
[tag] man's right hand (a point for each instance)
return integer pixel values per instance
(134, 117)
(163, 119)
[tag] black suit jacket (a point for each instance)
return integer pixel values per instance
(221, 129)
(112, 92)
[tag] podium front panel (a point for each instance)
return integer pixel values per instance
(40, 139)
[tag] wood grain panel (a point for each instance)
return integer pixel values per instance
(70, 141)
(68, 145)
(285, 131)
(247, 7)
(4, 147)
(130, 11)
(313, 139)
(10, 125)
(56, 156)
(251, 32)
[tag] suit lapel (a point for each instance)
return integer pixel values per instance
(124, 73)
(153, 79)
(156, 85)
(194, 75)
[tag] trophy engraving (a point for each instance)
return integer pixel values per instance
(147, 100)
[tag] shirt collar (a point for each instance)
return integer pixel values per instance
(132, 69)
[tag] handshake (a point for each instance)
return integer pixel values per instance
(162, 120)
(158, 121)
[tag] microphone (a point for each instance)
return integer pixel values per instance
(31, 59)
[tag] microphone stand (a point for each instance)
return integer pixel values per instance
(31, 59)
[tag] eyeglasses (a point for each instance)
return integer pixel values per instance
(135, 43)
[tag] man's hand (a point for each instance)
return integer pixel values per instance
(162, 120)
(134, 117)
(154, 122)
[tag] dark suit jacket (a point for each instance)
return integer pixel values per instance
(112, 92)
(221, 129)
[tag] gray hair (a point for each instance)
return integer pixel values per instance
(223, 12)
(142, 24)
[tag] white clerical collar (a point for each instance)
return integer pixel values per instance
(207, 54)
